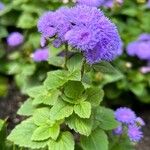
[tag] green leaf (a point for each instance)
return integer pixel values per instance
(26, 21)
(22, 134)
(83, 109)
(48, 97)
(56, 79)
(27, 108)
(61, 110)
(73, 89)
(42, 116)
(75, 62)
(96, 141)
(2, 134)
(64, 142)
(95, 95)
(106, 118)
(45, 131)
(57, 61)
(80, 125)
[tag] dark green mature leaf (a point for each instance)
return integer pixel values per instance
(95, 95)
(80, 125)
(27, 108)
(45, 131)
(83, 109)
(61, 110)
(22, 134)
(96, 141)
(73, 89)
(106, 118)
(64, 142)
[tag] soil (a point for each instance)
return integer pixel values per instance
(10, 104)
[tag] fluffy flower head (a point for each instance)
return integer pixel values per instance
(95, 3)
(118, 130)
(125, 115)
(15, 39)
(140, 121)
(41, 55)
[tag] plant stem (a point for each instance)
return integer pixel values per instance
(66, 55)
(82, 69)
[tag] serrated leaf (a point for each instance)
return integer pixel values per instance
(45, 131)
(96, 141)
(57, 61)
(48, 97)
(75, 62)
(27, 108)
(22, 133)
(42, 116)
(80, 125)
(73, 89)
(64, 142)
(106, 118)
(94, 96)
(83, 109)
(61, 110)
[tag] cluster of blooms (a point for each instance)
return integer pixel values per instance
(98, 3)
(2, 6)
(128, 119)
(148, 4)
(41, 55)
(141, 49)
(15, 39)
(84, 28)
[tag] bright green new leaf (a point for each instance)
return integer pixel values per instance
(64, 142)
(61, 110)
(27, 108)
(45, 131)
(80, 125)
(95, 95)
(83, 109)
(96, 141)
(106, 118)
(22, 134)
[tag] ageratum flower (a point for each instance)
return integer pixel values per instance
(57, 43)
(110, 3)
(125, 115)
(15, 39)
(140, 47)
(2, 6)
(93, 34)
(41, 55)
(95, 3)
(148, 4)
(140, 121)
(118, 130)
(134, 133)
(145, 69)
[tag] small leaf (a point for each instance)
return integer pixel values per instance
(64, 142)
(96, 141)
(27, 108)
(106, 118)
(45, 131)
(95, 95)
(73, 89)
(57, 61)
(83, 109)
(61, 110)
(82, 126)
(22, 134)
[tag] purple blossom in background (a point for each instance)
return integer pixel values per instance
(95, 3)
(125, 115)
(41, 55)
(110, 3)
(119, 130)
(57, 43)
(15, 39)
(140, 121)
(145, 69)
(134, 133)
(148, 4)
(84, 28)
(140, 47)
(2, 6)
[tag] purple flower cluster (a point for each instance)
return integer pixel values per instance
(84, 28)
(15, 39)
(41, 55)
(111, 3)
(128, 118)
(2, 6)
(95, 3)
(140, 47)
